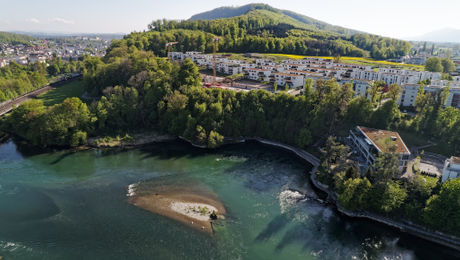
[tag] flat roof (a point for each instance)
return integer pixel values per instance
(384, 140)
(455, 160)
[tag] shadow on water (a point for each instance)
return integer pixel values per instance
(62, 157)
(331, 236)
(276, 225)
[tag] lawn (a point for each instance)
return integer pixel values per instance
(57, 95)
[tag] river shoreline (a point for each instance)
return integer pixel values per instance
(415, 230)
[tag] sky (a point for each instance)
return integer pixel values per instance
(395, 18)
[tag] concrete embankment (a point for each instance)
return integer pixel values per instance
(416, 230)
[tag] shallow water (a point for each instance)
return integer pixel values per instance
(66, 205)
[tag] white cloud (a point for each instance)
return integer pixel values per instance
(61, 20)
(33, 20)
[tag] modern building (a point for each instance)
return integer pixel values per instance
(369, 143)
(451, 168)
(292, 80)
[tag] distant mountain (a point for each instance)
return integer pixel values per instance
(38, 34)
(443, 35)
(14, 38)
(308, 22)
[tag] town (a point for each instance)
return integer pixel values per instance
(40, 50)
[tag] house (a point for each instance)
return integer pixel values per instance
(369, 143)
(451, 168)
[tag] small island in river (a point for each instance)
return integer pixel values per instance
(189, 205)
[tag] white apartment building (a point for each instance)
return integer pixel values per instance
(292, 80)
(451, 169)
(259, 74)
(369, 143)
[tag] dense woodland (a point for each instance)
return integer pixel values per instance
(266, 31)
(16, 79)
(137, 91)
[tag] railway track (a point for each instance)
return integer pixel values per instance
(7, 106)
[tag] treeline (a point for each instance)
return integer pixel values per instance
(419, 199)
(16, 79)
(265, 31)
(299, 42)
(14, 38)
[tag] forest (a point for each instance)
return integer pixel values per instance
(266, 31)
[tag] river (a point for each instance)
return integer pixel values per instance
(73, 205)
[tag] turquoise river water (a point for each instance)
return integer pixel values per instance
(73, 205)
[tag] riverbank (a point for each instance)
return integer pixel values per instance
(413, 229)
(127, 141)
(183, 204)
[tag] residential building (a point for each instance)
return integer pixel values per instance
(451, 168)
(369, 143)
(292, 80)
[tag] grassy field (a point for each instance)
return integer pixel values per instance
(352, 60)
(57, 95)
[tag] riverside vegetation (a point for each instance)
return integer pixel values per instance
(418, 199)
(135, 90)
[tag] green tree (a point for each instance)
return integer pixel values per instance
(394, 92)
(354, 193)
(386, 167)
(448, 65)
(434, 64)
(443, 211)
(387, 196)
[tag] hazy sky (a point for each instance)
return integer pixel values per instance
(396, 18)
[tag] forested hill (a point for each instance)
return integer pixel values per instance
(227, 12)
(14, 38)
(263, 29)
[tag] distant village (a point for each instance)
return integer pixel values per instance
(67, 48)
(293, 72)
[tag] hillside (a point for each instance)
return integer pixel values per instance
(14, 38)
(264, 29)
(227, 12)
